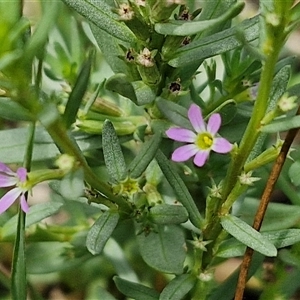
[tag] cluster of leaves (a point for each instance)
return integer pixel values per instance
(109, 111)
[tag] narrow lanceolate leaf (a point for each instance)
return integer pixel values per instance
(144, 93)
(144, 157)
(11, 110)
(183, 28)
(113, 156)
(40, 36)
(76, 96)
(275, 217)
(36, 213)
(282, 124)
(247, 235)
(135, 290)
(215, 44)
(178, 287)
(279, 85)
(176, 113)
(280, 239)
(111, 50)
(101, 231)
(120, 84)
(102, 19)
(182, 193)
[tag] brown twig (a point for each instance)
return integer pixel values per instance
(265, 198)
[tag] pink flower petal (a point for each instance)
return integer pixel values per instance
(201, 158)
(24, 204)
(6, 181)
(22, 174)
(196, 119)
(4, 168)
(214, 124)
(184, 153)
(181, 135)
(8, 199)
(221, 145)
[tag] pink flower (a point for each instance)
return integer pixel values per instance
(8, 178)
(201, 141)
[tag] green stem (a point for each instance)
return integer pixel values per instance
(19, 281)
(66, 145)
(253, 129)
(271, 48)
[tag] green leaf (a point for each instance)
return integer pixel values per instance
(72, 185)
(111, 50)
(19, 283)
(145, 155)
(113, 156)
(168, 214)
(163, 250)
(215, 44)
(228, 111)
(282, 124)
(77, 93)
(178, 287)
(179, 188)
(9, 58)
(102, 18)
(278, 215)
(280, 239)
(36, 43)
(247, 235)
(294, 173)
(144, 93)
(101, 231)
(11, 110)
(36, 213)
(135, 290)
(120, 84)
(49, 257)
(184, 28)
(13, 143)
(176, 113)
(114, 252)
(279, 85)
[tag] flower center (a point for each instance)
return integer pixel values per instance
(204, 141)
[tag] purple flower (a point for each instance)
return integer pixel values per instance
(8, 178)
(201, 141)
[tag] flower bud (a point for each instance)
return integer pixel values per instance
(246, 179)
(286, 103)
(96, 126)
(134, 21)
(147, 67)
(127, 187)
(66, 162)
(153, 196)
(106, 107)
(264, 158)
